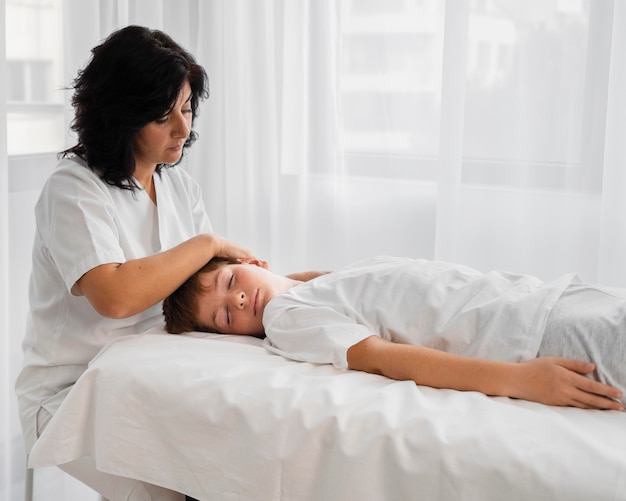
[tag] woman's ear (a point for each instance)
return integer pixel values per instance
(255, 261)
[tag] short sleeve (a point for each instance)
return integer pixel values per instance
(76, 221)
(312, 334)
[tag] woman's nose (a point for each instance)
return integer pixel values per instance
(181, 128)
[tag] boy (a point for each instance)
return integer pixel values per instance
(435, 323)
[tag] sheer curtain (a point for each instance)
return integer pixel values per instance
(612, 240)
(272, 118)
(489, 133)
(6, 396)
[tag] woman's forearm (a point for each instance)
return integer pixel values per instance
(119, 290)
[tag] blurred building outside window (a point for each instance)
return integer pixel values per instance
(525, 83)
(34, 51)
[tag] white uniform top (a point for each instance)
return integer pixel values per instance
(448, 307)
(83, 222)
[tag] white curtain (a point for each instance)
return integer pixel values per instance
(612, 240)
(5, 381)
(513, 158)
(490, 133)
(271, 119)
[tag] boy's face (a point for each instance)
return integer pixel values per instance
(235, 296)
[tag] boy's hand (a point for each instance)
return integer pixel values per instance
(562, 381)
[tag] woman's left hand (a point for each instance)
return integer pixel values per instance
(120, 290)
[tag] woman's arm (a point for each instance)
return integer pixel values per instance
(119, 290)
(552, 381)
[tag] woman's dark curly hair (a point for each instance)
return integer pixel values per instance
(133, 78)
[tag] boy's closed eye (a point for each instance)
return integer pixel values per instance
(221, 319)
(231, 282)
(225, 281)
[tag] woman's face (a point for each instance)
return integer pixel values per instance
(161, 141)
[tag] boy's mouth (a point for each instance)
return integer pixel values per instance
(256, 302)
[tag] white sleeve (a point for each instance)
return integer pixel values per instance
(76, 222)
(313, 334)
(201, 220)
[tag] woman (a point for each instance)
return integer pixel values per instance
(118, 227)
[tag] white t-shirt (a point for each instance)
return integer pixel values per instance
(453, 308)
(83, 222)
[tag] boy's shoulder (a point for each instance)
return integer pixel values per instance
(377, 264)
(358, 271)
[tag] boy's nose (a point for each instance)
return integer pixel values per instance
(240, 299)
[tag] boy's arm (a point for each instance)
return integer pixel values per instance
(550, 380)
(305, 276)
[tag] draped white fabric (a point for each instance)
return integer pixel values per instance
(520, 168)
(6, 394)
(486, 133)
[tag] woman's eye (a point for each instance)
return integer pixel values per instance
(161, 120)
(187, 111)
(227, 316)
(230, 282)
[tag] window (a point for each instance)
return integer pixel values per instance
(526, 72)
(528, 100)
(391, 76)
(34, 44)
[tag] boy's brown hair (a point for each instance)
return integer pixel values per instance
(181, 306)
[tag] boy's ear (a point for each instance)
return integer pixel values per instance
(255, 261)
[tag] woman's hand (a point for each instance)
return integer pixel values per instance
(119, 290)
(225, 248)
(562, 381)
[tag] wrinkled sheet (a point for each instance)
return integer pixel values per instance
(219, 418)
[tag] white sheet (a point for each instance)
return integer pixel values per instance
(222, 420)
